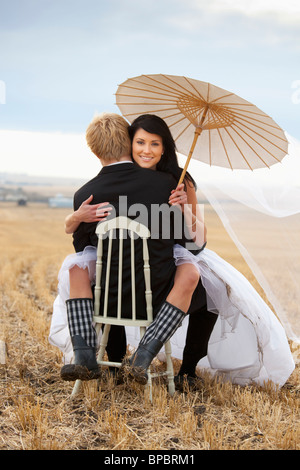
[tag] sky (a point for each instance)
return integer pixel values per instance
(61, 61)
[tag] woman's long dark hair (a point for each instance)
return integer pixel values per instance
(155, 125)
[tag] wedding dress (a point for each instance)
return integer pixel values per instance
(248, 343)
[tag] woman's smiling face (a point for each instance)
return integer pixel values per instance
(147, 149)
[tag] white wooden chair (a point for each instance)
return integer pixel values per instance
(134, 229)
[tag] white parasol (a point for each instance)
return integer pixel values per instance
(234, 133)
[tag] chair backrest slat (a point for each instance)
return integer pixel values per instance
(119, 309)
(148, 291)
(99, 264)
(133, 296)
(110, 239)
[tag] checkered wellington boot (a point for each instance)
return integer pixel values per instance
(166, 322)
(83, 337)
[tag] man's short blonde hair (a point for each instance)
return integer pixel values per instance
(108, 138)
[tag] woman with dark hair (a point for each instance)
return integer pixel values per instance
(248, 343)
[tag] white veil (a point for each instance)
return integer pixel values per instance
(260, 210)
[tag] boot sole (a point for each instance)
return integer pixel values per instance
(72, 372)
(129, 372)
(138, 374)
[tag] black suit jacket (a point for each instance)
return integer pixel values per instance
(136, 186)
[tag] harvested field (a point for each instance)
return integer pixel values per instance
(36, 410)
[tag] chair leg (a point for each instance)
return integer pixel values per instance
(149, 385)
(103, 343)
(170, 369)
(77, 388)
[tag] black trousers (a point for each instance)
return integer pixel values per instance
(116, 344)
(201, 325)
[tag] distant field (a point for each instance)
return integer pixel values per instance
(36, 412)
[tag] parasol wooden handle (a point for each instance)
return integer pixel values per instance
(196, 135)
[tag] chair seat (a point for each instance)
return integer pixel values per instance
(120, 321)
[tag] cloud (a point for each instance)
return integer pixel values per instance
(287, 11)
(243, 25)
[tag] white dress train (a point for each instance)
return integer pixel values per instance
(248, 343)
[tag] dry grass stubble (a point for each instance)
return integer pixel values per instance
(36, 410)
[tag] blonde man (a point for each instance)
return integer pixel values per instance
(119, 178)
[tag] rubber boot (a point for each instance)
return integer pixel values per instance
(85, 365)
(139, 362)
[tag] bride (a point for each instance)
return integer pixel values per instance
(248, 344)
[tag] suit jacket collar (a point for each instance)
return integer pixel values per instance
(116, 168)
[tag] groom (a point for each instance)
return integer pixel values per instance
(107, 137)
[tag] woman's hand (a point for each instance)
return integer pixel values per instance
(187, 201)
(92, 212)
(178, 197)
(87, 213)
